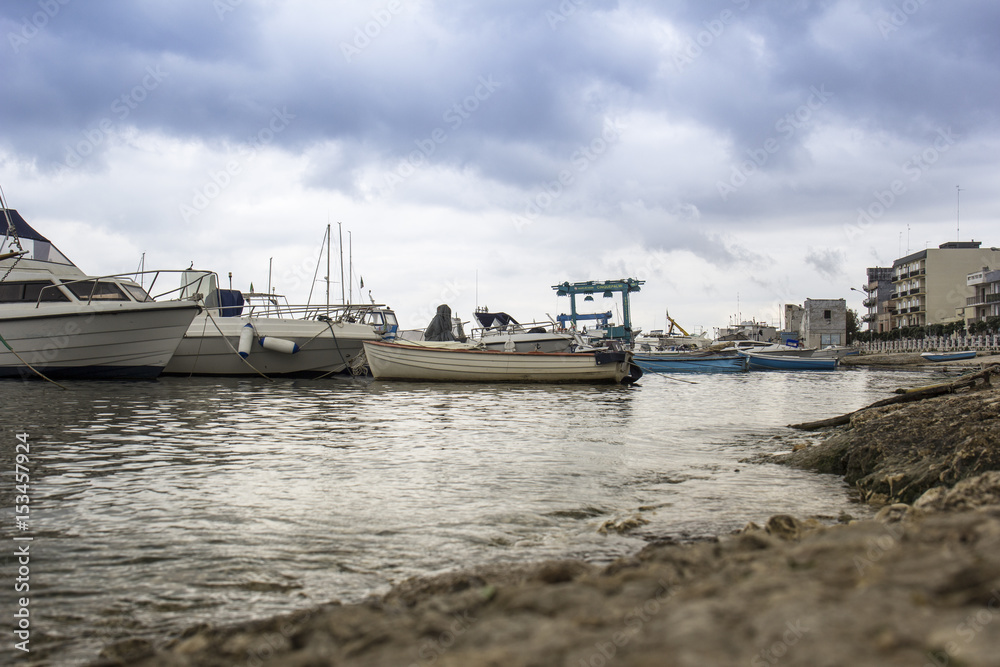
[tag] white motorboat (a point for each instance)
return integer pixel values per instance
(60, 322)
(259, 333)
(466, 362)
(500, 331)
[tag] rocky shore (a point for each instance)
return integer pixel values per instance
(918, 585)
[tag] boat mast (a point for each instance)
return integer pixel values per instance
(328, 268)
(340, 235)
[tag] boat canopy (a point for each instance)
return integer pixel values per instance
(499, 320)
(37, 246)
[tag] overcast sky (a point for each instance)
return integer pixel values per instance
(734, 154)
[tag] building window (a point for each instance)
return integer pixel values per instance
(829, 339)
(827, 315)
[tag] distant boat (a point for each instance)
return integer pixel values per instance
(781, 362)
(949, 356)
(463, 362)
(690, 363)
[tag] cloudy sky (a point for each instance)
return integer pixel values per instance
(734, 154)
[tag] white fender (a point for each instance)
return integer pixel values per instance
(279, 345)
(246, 340)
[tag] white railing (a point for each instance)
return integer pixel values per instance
(983, 342)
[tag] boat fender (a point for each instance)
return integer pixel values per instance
(246, 340)
(279, 345)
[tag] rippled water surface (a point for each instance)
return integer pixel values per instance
(160, 505)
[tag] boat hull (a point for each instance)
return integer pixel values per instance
(664, 364)
(949, 356)
(127, 341)
(407, 362)
(211, 344)
(790, 363)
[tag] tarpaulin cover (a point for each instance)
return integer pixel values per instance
(440, 326)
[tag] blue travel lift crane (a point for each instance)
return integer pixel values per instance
(608, 289)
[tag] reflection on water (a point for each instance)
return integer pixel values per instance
(159, 505)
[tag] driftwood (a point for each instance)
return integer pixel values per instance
(906, 396)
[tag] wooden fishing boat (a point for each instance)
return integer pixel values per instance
(462, 362)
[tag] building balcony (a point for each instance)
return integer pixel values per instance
(869, 302)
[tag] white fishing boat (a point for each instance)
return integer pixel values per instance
(261, 334)
(61, 323)
(466, 362)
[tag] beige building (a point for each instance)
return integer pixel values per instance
(931, 286)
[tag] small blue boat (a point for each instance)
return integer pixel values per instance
(783, 362)
(949, 356)
(662, 363)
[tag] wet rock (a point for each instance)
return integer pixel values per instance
(972, 493)
(896, 453)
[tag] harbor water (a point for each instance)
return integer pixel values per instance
(157, 506)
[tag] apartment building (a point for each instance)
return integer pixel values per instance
(931, 286)
(985, 301)
(878, 292)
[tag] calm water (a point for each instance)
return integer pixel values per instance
(160, 505)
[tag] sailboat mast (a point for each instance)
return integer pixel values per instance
(327, 268)
(340, 236)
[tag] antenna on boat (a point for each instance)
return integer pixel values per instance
(270, 264)
(350, 267)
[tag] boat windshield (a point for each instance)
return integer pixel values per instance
(87, 290)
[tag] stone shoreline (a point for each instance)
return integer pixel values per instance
(918, 585)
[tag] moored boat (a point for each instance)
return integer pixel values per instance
(500, 331)
(949, 356)
(250, 334)
(58, 321)
(781, 362)
(690, 363)
(464, 362)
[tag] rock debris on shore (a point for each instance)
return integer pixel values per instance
(918, 585)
